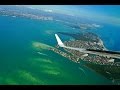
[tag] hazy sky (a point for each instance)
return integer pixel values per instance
(105, 13)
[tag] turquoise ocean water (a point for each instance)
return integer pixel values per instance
(21, 64)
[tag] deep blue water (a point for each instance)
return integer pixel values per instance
(110, 35)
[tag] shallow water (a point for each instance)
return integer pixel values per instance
(21, 64)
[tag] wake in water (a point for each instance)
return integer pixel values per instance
(42, 54)
(83, 71)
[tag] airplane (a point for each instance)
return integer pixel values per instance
(105, 53)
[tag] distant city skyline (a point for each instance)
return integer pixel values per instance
(103, 13)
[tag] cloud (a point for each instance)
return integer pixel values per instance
(46, 10)
(96, 25)
(89, 26)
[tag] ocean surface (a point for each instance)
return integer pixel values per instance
(110, 36)
(21, 64)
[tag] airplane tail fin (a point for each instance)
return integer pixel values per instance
(60, 43)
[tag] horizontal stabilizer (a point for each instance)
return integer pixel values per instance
(111, 60)
(85, 55)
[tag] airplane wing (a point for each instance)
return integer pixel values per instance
(90, 51)
(59, 41)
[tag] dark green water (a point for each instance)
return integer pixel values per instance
(21, 64)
